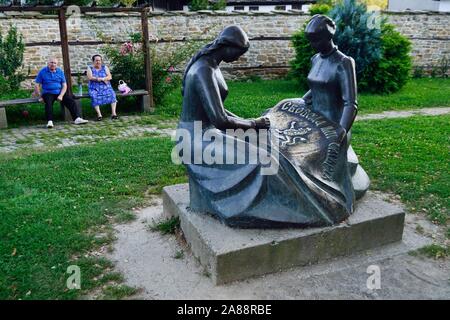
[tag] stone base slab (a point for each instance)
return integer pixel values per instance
(236, 254)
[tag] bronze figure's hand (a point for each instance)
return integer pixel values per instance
(262, 123)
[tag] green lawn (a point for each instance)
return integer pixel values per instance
(250, 99)
(409, 157)
(50, 202)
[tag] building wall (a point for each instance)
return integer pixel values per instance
(426, 5)
(444, 6)
(261, 8)
(269, 55)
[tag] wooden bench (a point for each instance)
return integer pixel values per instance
(144, 104)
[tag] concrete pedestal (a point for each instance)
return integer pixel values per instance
(236, 254)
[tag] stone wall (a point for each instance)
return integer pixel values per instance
(270, 51)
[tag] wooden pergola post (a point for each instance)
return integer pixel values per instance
(148, 103)
(66, 59)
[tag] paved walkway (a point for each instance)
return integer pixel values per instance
(64, 134)
(405, 113)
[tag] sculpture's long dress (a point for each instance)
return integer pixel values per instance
(240, 194)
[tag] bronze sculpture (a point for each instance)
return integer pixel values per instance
(317, 174)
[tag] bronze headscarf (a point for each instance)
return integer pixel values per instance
(230, 36)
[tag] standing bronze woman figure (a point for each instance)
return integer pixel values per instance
(333, 90)
(241, 195)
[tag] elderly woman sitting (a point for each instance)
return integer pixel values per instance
(100, 89)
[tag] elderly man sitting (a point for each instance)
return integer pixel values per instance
(54, 87)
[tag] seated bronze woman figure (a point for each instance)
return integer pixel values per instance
(312, 186)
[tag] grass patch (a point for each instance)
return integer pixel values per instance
(117, 292)
(179, 255)
(420, 229)
(250, 99)
(433, 251)
(25, 141)
(51, 201)
(168, 226)
(408, 157)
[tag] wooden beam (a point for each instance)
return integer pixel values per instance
(56, 8)
(147, 58)
(65, 48)
(66, 58)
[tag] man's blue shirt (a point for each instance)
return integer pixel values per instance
(51, 82)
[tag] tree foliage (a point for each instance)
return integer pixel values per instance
(355, 34)
(196, 5)
(11, 59)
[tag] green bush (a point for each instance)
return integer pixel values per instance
(382, 55)
(393, 70)
(444, 66)
(11, 58)
(319, 9)
(196, 5)
(418, 72)
(301, 64)
(218, 5)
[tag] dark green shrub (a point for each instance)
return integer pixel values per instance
(393, 70)
(444, 66)
(418, 72)
(218, 5)
(11, 58)
(4, 85)
(196, 5)
(319, 9)
(301, 64)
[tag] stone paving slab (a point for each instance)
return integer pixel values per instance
(64, 135)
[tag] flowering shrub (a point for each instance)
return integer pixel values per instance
(127, 64)
(126, 48)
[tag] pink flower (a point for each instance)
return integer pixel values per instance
(171, 69)
(126, 48)
(168, 79)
